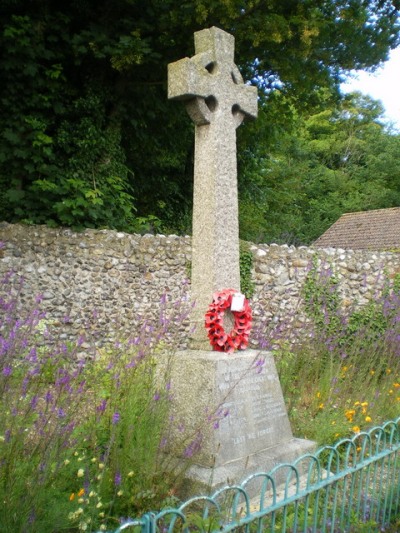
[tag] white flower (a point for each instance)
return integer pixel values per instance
(81, 472)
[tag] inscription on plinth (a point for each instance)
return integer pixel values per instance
(254, 436)
(257, 414)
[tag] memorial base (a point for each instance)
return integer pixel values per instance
(233, 405)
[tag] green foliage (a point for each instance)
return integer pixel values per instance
(88, 138)
(329, 160)
(322, 303)
(83, 445)
(343, 374)
(321, 297)
(204, 525)
(246, 267)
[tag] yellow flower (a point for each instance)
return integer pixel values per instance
(349, 414)
(356, 429)
(81, 493)
(130, 474)
(356, 403)
(72, 497)
(318, 395)
(388, 371)
(364, 404)
(101, 466)
(333, 422)
(396, 385)
(321, 406)
(368, 419)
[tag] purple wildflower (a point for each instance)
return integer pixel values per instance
(7, 371)
(102, 406)
(117, 478)
(116, 417)
(194, 446)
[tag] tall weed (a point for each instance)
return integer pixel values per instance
(343, 374)
(82, 445)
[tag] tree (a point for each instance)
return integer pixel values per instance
(87, 134)
(338, 159)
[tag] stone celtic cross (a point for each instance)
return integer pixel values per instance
(217, 100)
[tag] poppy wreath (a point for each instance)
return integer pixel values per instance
(238, 338)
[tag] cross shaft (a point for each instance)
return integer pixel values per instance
(217, 101)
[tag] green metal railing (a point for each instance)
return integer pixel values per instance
(352, 486)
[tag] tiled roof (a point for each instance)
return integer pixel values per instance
(367, 230)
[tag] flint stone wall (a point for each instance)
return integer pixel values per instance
(122, 276)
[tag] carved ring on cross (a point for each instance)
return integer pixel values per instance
(210, 83)
(238, 338)
(202, 108)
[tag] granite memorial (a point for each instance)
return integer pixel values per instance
(255, 434)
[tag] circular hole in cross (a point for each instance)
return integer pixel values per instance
(235, 110)
(211, 103)
(211, 67)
